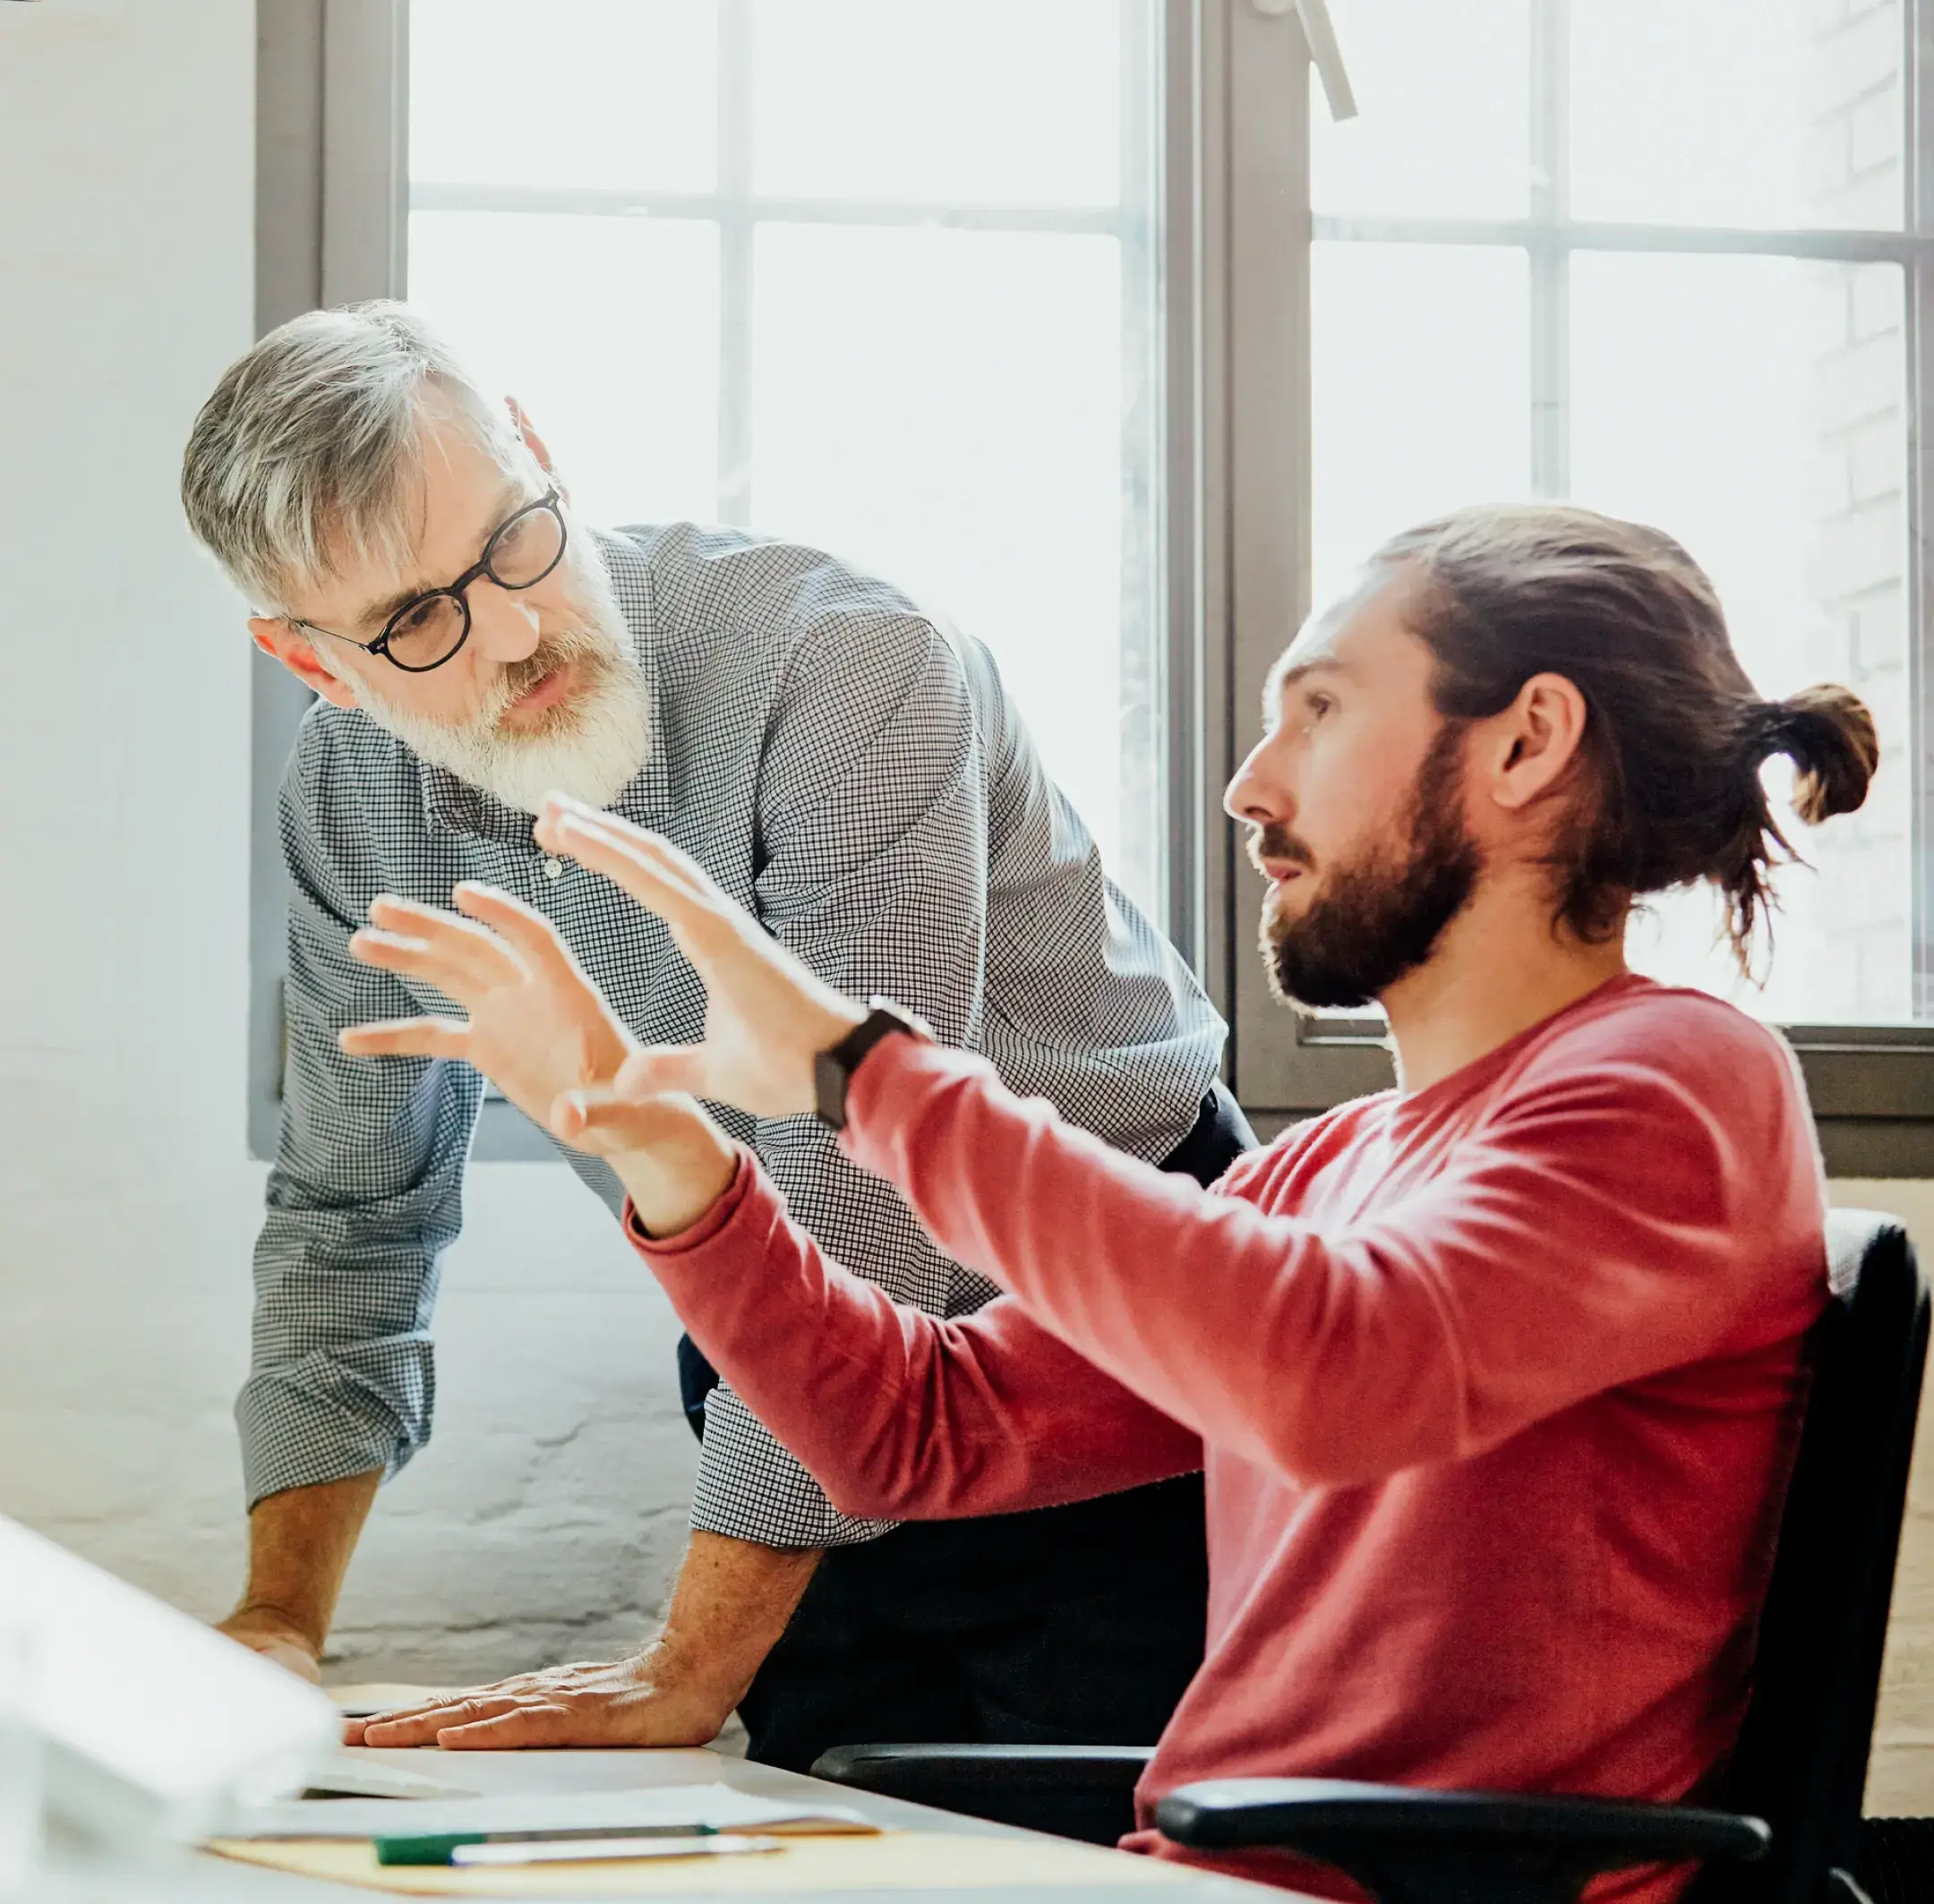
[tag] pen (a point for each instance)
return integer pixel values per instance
(434, 1848)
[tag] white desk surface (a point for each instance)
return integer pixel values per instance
(202, 1879)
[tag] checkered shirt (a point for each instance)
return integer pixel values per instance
(855, 776)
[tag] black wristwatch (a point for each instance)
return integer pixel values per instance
(833, 1069)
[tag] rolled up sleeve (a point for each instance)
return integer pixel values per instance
(365, 1196)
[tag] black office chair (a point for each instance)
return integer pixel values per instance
(1789, 1831)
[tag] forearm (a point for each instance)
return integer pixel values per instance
(729, 1605)
(299, 1543)
(1324, 1357)
(896, 1414)
(1591, 1238)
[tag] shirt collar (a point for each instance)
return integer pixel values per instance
(452, 806)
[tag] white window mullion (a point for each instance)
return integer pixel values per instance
(735, 261)
(1917, 99)
(1550, 258)
(1143, 773)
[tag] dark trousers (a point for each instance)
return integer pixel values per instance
(1063, 1625)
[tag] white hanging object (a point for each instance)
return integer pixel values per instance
(1325, 53)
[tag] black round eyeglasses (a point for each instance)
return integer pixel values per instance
(429, 629)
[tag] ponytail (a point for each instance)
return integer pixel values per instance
(1675, 736)
(1828, 735)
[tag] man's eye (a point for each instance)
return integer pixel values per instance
(1319, 704)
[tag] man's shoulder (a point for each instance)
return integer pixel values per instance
(1664, 1042)
(339, 751)
(707, 581)
(349, 786)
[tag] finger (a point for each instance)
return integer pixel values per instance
(525, 930)
(453, 945)
(458, 938)
(605, 1121)
(520, 1728)
(424, 1725)
(633, 845)
(560, 807)
(703, 923)
(659, 1070)
(407, 1037)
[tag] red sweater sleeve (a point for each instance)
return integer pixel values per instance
(1603, 1222)
(898, 1415)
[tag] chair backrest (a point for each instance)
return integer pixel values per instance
(1802, 1758)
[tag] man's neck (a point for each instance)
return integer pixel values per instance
(1501, 968)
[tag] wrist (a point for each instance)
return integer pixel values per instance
(700, 1685)
(268, 1616)
(835, 1065)
(674, 1182)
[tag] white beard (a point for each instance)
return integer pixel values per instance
(592, 747)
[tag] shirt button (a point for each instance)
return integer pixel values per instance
(553, 869)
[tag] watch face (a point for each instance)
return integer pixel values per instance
(829, 1091)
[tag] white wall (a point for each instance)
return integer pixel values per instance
(547, 1514)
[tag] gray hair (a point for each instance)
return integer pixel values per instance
(306, 454)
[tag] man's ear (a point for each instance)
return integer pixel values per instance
(535, 443)
(297, 654)
(1537, 740)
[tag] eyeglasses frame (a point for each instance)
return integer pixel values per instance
(458, 591)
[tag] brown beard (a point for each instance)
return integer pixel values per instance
(1381, 918)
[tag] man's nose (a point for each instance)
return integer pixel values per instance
(504, 624)
(1253, 796)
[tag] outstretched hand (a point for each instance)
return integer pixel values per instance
(539, 1030)
(767, 1016)
(537, 1026)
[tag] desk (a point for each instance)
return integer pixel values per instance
(204, 1880)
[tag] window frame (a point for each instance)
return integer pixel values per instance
(1236, 528)
(333, 204)
(1871, 1086)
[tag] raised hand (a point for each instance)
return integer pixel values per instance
(537, 1026)
(766, 1017)
(538, 1029)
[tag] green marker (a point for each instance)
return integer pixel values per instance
(435, 1848)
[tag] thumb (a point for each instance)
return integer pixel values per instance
(607, 1120)
(658, 1069)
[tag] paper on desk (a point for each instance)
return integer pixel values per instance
(371, 1777)
(358, 1702)
(720, 1807)
(895, 1861)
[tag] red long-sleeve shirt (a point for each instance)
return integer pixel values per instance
(1494, 1385)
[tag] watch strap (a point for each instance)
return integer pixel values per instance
(832, 1069)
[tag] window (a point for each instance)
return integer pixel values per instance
(886, 279)
(879, 278)
(1660, 257)
(914, 280)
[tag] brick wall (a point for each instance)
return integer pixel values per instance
(1856, 947)
(1861, 924)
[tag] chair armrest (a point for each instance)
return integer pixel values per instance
(1085, 1792)
(913, 1772)
(1411, 1846)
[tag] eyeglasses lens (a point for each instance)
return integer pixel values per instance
(428, 633)
(526, 549)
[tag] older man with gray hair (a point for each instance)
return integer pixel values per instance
(855, 776)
